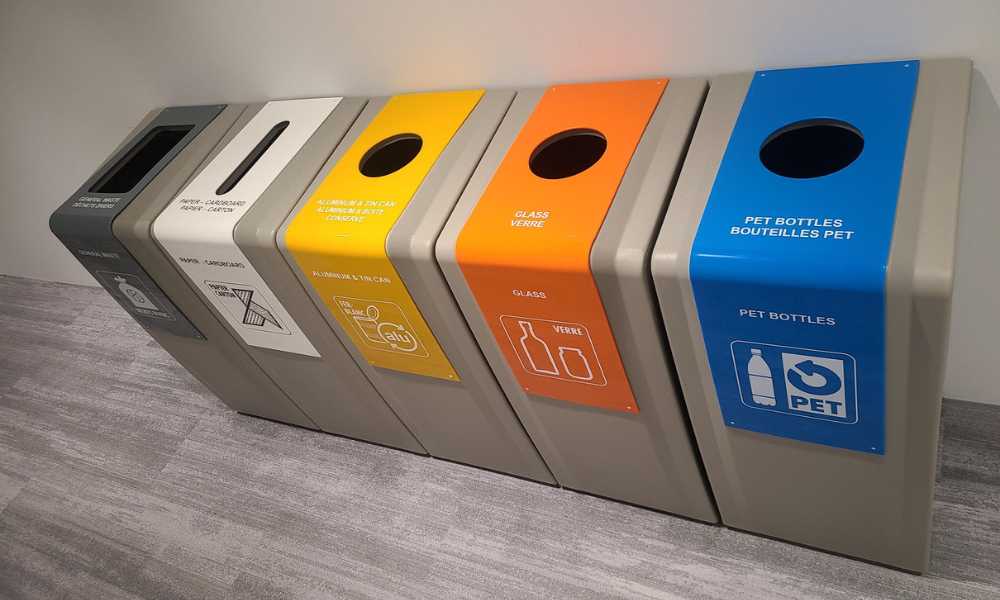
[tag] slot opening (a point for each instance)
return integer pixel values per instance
(390, 155)
(568, 153)
(258, 151)
(140, 160)
(811, 148)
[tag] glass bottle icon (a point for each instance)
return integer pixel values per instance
(537, 350)
(575, 363)
(761, 384)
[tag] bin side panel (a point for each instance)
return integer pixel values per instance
(674, 479)
(919, 281)
(669, 266)
(477, 414)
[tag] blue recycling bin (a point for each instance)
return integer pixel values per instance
(804, 273)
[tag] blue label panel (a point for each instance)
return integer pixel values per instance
(788, 272)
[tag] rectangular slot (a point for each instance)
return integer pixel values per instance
(140, 160)
(244, 167)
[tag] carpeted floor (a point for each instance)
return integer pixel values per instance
(121, 477)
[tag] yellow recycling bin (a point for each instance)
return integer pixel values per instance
(362, 241)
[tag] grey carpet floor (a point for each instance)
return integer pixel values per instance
(122, 477)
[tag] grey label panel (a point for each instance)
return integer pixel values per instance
(122, 276)
(83, 223)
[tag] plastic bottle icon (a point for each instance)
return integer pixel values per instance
(537, 350)
(761, 384)
(575, 363)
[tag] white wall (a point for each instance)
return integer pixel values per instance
(76, 75)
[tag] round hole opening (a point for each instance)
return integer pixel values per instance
(391, 155)
(568, 153)
(813, 148)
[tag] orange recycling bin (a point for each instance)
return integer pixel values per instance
(547, 255)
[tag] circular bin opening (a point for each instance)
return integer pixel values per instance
(391, 155)
(567, 153)
(812, 148)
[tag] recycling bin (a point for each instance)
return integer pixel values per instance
(546, 253)
(804, 274)
(102, 224)
(269, 161)
(361, 243)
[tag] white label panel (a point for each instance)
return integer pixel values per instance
(196, 229)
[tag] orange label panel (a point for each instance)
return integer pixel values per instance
(525, 250)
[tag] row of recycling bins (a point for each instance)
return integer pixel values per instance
(724, 301)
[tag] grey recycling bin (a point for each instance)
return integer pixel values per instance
(103, 225)
(804, 273)
(546, 253)
(273, 155)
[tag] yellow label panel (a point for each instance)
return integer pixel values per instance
(338, 238)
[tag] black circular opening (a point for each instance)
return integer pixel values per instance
(568, 153)
(390, 155)
(812, 148)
